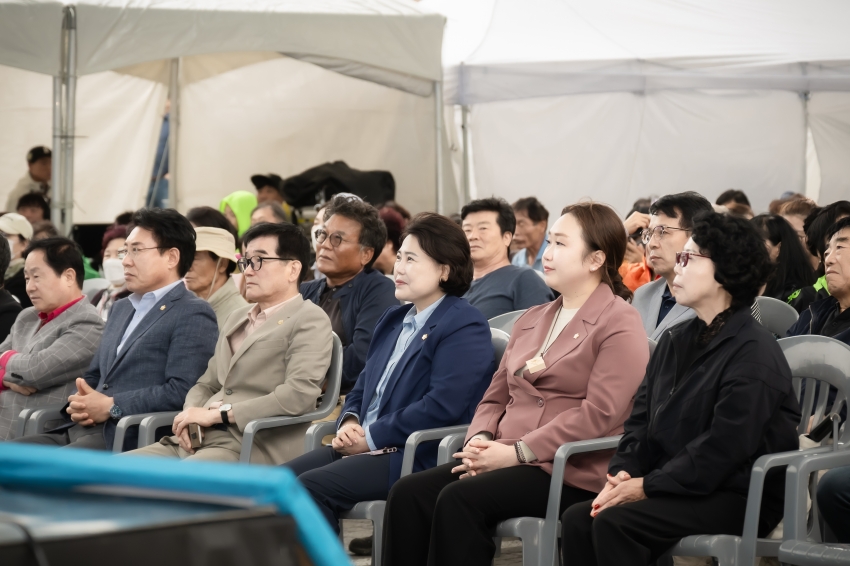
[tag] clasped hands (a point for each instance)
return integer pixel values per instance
(619, 489)
(480, 456)
(87, 406)
(206, 417)
(350, 439)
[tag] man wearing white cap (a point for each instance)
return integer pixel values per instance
(209, 276)
(18, 232)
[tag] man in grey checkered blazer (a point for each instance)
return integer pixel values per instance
(52, 342)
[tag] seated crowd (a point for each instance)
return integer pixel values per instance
(227, 315)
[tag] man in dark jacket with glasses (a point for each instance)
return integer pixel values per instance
(353, 295)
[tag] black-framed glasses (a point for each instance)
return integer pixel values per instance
(682, 258)
(335, 238)
(256, 262)
(134, 252)
(660, 231)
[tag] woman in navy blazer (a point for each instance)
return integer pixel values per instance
(428, 366)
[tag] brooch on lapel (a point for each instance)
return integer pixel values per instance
(424, 336)
(162, 308)
(575, 336)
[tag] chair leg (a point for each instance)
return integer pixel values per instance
(377, 539)
(531, 555)
(498, 542)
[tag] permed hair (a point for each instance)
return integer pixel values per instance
(741, 262)
(373, 233)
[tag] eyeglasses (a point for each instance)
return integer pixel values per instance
(682, 258)
(256, 262)
(134, 252)
(660, 231)
(335, 238)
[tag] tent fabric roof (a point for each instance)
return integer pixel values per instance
(535, 48)
(391, 35)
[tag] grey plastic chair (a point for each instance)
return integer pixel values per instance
(776, 316)
(34, 421)
(374, 510)
(150, 422)
(499, 339)
(797, 547)
(505, 322)
(817, 359)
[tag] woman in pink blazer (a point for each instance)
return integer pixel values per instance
(569, 373)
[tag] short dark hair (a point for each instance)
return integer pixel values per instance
(682, 206)
(505, 214)
(395, 224)
(373, 233)
(733, 195)
(837, 227)
(60, 254)
(170, 229)
(793, 268)
(291, 242)
(797, 206)
(533, 208)
(818, 223)
(444, 242)
(37, 201)
(741, 262)
(5, 259)
(45, 226)
(209, 217)
(277, 210)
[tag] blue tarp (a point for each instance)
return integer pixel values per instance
(36, 466)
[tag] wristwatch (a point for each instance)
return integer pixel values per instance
(115, 412)
(224, 408)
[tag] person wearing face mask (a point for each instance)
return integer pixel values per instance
(209, 275)
(113, 271)
(18, 232)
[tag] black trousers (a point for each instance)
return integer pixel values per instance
(636, 534)
(434, 518)
(337, 484)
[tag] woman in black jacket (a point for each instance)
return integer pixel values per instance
(717, 396)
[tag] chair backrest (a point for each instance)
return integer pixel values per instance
(652, 346)
(776, 316)
(818, 359)
(500, 340)
(333, 378)
(505, 322)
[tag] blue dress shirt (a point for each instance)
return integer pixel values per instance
(668, 301)
(411, 325)
(143, 305)
(520, 259)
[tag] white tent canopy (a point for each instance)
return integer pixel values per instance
(389, 42)
(616, 100)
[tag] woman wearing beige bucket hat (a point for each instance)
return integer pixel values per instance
(209, 276)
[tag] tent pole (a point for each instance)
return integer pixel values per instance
(56, 172)
(804, 97)
(464, 116)
(70, 26)
(438, 111)
(173, 130)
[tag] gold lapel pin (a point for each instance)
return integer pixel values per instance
(280, 322)
(424, 336)
(575, 336)
(162, 308)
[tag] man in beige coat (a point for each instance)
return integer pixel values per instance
(270, 360)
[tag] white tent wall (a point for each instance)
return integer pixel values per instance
(25, 122)
(117, 126)
(247, 121)
(829, 122)
(617, 147)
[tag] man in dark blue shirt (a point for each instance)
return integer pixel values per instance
(353, 295)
